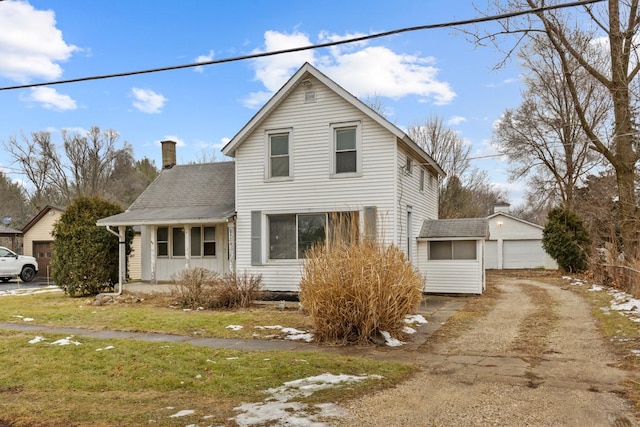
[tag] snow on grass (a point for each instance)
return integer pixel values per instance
(183, 413)
(409, 330)
(279, 409)
(289, 333)
(65, 341)
(29, 291)
(234, 327)
(109, 347)
(37, 339)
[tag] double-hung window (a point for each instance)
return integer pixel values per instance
(346, 148)
(279, 154)
(421, 184)
(203, 241)
(162, 241)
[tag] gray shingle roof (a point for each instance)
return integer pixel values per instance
(452, 228)
(184, 193)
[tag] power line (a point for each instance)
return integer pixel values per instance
(314, 46)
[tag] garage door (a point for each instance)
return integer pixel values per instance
(523, 254)
(42, 253)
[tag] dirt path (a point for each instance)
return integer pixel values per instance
(535, 360)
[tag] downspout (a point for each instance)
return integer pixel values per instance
(121, 253)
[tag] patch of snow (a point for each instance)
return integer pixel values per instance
(269, 327)
(596, 288)
(37, 340)
(109, 347)
(31, 291)
(391, 342)
(308, 337)
(233, 358)
(65, 341)
(28, 319)
(409, 330)
(636, 352)
(415, 318)
(278, 410)
(234, 327)
(183, 413)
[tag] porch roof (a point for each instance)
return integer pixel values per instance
(168, 216)
(184, 194)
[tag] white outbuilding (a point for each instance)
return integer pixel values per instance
(451, 255)
(515, 243)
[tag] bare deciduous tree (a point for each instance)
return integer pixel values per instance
(466, 192)
(615, 24)
(543, 137)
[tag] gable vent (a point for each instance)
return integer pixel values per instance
(309, 96)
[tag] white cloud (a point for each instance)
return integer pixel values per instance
(363, 70)
(30, 44)
(456, 120)
(147, 100)
(204, 58)
(50, 99)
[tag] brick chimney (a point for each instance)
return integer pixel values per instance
(168, 154)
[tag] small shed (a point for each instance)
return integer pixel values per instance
(515, 243)
(451, 255)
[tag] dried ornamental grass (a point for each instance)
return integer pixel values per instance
(199, 287)
(352, 291)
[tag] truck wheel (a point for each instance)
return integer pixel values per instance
(28, 273)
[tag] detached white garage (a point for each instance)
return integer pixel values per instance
(515, 243)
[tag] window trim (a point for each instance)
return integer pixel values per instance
(453, 254)
(332, 151)
(267, 154)
(421, 180)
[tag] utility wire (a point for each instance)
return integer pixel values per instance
(314, 46)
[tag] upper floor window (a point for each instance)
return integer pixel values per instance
(409, 165)
(346, 148)
(421, 180)
(279, 154)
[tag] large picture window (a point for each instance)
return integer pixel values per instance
(292, 235)
(452, 250)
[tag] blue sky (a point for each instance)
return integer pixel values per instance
(418, 74)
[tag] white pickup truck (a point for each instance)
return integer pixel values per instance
(12, 265)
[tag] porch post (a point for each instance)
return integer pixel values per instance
(152, 252)
(232, 245)
(187, 246)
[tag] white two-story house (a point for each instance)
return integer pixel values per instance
(313, 150)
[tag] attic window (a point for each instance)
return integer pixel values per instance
(309, 96)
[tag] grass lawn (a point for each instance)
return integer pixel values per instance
(127, 382)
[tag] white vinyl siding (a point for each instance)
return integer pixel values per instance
(424, 204)
(452, 276)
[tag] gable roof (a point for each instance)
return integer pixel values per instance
(300, 75)
(183, 194)
(515, 219)
(454, 228)
(39, 216)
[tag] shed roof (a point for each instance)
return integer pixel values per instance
(183, 194)
(8, 232)
(454, 228)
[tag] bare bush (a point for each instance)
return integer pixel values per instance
(354, 289)
(199, 287)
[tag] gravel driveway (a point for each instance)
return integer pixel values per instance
(485, 378)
